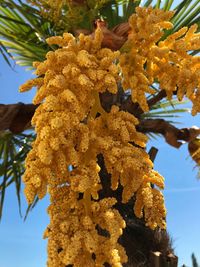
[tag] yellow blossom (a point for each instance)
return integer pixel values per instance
(168, 62)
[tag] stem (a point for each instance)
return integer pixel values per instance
(96, 108)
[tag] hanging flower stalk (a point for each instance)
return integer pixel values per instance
(73, 129)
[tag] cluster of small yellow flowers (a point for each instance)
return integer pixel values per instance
(68, 94)
(112, 135)
(146, 30)
(68, 13)
(183, 75)
(75, 236)
(169, 62)
(72, 130)
(50, 8)
(151, 201)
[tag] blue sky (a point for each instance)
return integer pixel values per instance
(21, 243)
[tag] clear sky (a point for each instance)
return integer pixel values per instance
(21, 243)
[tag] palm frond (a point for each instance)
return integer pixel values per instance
(6, 55)
(166, 109)
(13, 151)
(110, 12)
(147, 3)
(23, 32)
(129, 8)
(31, 207)
(153, 136)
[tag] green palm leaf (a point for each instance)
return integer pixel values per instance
(23, 32)
(13, 151)
(166, 109)
(6, 55)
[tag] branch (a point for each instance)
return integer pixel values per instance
(173, 135)
(16, 117)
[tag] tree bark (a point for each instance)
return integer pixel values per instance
(173, 136)
(16, 117)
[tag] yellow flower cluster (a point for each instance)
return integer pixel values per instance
(146, 30)
(69, 13)
(61, 12)
(76, 237)
(72, 130)
(168, 62)
(129, 165)
(183, 75)
(151, 201)
(68, 94)
(111, 134)
(72, 79)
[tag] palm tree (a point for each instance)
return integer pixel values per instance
(34, 22)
